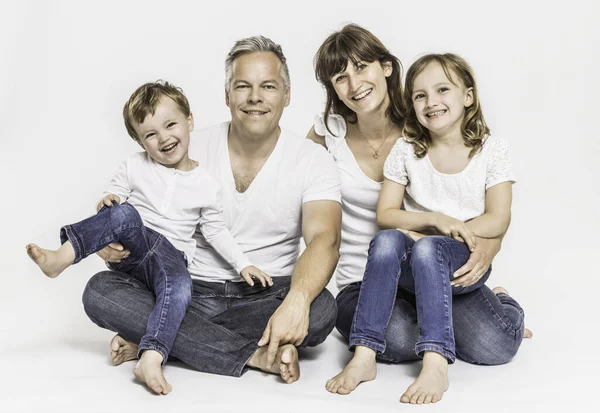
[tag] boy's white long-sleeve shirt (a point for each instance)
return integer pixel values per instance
(174, 202)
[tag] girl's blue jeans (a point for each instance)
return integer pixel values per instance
(153, 260)
(425, 268)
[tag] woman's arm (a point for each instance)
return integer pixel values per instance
(312, 135)
(496, 219)
(389, 215)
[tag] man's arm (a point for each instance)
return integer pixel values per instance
(321, 230)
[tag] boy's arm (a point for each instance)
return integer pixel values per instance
(496, 219)
(119, 184)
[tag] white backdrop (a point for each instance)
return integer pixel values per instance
(68, 66)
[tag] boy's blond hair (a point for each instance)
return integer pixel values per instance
(145, 99)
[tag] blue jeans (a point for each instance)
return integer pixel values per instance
(153, 261)
(425, 268)
(223, 324)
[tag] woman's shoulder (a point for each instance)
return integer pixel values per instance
(336, 126)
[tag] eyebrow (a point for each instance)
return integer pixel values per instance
(236, 81)
(436, 85)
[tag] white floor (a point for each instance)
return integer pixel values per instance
(56, 360)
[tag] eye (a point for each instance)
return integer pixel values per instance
(418, 96)
(269, 87)
(171, 124)
(340, 78)
(361, 66)
(443, 89)
(241, 86)
(149, 135)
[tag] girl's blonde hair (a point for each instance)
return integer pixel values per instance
(473, 128)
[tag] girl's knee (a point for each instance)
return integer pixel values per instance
(429, 246)
(389, 241)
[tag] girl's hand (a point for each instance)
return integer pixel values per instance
(452, 227)
(251, 272)
(107, 201)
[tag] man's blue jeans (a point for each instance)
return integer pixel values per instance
(424, 268)
(153, 261)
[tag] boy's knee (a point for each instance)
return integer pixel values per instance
(125, 214)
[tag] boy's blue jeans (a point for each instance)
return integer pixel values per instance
(424, 267)
(153, 260)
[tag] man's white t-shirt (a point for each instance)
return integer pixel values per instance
(266, 219)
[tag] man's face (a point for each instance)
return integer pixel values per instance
(256, 95)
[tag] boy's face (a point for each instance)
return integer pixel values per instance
(166, 134)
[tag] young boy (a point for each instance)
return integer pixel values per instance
(167, 195)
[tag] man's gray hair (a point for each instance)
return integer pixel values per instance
(251, 45)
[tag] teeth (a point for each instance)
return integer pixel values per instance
(362, 95)
(439, 112)
(168, 148)
(255, 112)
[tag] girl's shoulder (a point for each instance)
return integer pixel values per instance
(494, 146)
(403, 148)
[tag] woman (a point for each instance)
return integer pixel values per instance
(363, 119)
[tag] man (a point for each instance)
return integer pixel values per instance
(277, 187)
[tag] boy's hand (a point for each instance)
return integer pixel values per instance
(107, 201)
(251, 272)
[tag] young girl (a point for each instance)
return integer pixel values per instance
(165, 196)
(447, 177)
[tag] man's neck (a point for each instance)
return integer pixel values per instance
(251, 146)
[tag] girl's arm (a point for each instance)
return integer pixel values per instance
(496, 219)
(389, 215)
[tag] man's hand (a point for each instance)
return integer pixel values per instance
(114, 252)
(478, 263)
(251, 272)
(287, 325)
(107, 201)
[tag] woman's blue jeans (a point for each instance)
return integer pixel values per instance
(425, 268)
(153, 260)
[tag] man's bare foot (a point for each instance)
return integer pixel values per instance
(432, 382)
(149, 371)
(52, 263)
(122, 350)
(362, 367)
(286, 362)
(527, 333)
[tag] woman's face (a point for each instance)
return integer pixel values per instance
(362, 86)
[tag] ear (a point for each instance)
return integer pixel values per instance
(469, 97)
(190, 120)
(387, 69)
(286, 99)
(226, 97)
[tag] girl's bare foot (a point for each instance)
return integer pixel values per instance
(286, 362)
(149, 371)
(527, 333)
(432, 382)
(52, 263)
(362, 367)
(122, 350)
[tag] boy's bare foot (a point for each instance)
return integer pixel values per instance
(527, 333)
(286, 362)
(362, 367)
(52, 263)
(432, 382)
(122, 350)
(149, 371)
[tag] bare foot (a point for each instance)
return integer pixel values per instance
(52, 263)
(149, 371)
(527, 333)
(122, 350)
(286, 362)
(432, 382)
(362, 367)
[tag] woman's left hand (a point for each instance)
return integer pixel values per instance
(478, 263)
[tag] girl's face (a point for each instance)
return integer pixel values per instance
(440, 104)
(362, 87)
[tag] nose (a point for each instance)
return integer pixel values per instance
(163, 136)
(255, 95)
(432, 100)
(353, 82)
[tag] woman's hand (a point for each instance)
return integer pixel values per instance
(454, 228)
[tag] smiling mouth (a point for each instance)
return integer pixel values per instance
(170, 148)
(362, 95)
(255, 112)
(436, 113)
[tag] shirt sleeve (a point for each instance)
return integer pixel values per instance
(322, 179)
(499, 165)
(394, 167)
(119, 184)
(217, 234)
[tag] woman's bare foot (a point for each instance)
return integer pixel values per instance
(432, 382)
(122, 350)
(527, 333)
(362, 367)
(286, 362)
(52, 263)
(149, 371)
